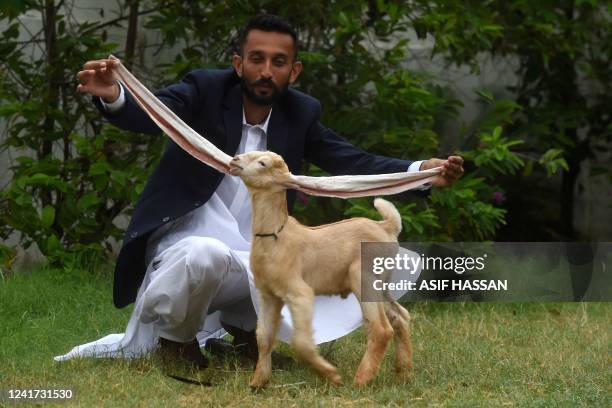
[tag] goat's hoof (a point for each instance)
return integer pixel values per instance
(403, 367)
(257, 388)
(335, 379)
(258, 385)
(331, 373)
(361, 383)
(404, 374)
(362, 380)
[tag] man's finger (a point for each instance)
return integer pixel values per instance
(99, 64)
(92, 64)
(454, 168)
(84, 76)
(454, 164)
(456, 159)
(452, 176)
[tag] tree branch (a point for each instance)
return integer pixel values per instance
(130, 41)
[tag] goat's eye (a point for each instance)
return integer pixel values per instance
(262, 164)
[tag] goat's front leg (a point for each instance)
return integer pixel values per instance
(300, 300)
(267, 327)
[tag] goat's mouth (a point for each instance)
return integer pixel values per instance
(235, 169)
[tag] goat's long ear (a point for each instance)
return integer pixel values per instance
(183, 135)
(362, 186)
(291, 185)
(205, 151)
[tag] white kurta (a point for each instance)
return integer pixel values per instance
(226, 217)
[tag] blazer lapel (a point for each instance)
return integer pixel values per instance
(232, 116)
(278, 129)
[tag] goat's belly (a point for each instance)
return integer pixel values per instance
(328, 281)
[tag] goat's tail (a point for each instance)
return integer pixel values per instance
(392, 221)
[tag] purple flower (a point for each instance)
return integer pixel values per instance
(498, 197)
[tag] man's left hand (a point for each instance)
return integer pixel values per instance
(452, 169)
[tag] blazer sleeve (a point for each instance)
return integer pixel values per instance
(182, 98)
(336, 155)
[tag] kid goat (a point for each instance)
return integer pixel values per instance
(286, 273)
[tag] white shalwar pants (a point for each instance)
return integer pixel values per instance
(195, 277)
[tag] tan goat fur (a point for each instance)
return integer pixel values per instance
(291, 263)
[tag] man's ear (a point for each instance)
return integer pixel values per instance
(295, 71)
(237, 63)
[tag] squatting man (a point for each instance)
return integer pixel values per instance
(184, 259)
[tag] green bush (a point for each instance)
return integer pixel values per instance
(73, 175)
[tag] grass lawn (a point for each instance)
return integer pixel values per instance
(519, 354)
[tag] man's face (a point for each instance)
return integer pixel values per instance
(267, 66)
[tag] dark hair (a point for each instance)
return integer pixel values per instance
(269, 23)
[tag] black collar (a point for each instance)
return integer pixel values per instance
(273, 234)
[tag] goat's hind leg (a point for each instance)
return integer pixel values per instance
(400, 321)
(267, 327)
(379, 334)
(377, 327)
(300, 300)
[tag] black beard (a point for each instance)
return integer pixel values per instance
(268, 100)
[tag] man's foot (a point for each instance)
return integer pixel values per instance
(244, 345)
(245, 342)
(184, 353)
(222, 349)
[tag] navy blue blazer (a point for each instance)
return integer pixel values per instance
(210, 101)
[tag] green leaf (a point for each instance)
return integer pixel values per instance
(47, 216)
(10, 109)
(486, 95)
(343, 19)
(119, 176)
(88, 200)
(497, 132)
(40, 178)
(53, 244)
(99, 167)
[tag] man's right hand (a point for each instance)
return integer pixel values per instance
(97, 79)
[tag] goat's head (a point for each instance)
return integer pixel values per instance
(261, 170)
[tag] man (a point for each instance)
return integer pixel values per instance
(185, 253)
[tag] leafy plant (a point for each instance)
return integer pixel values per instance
(564, 79)
(72, 176)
